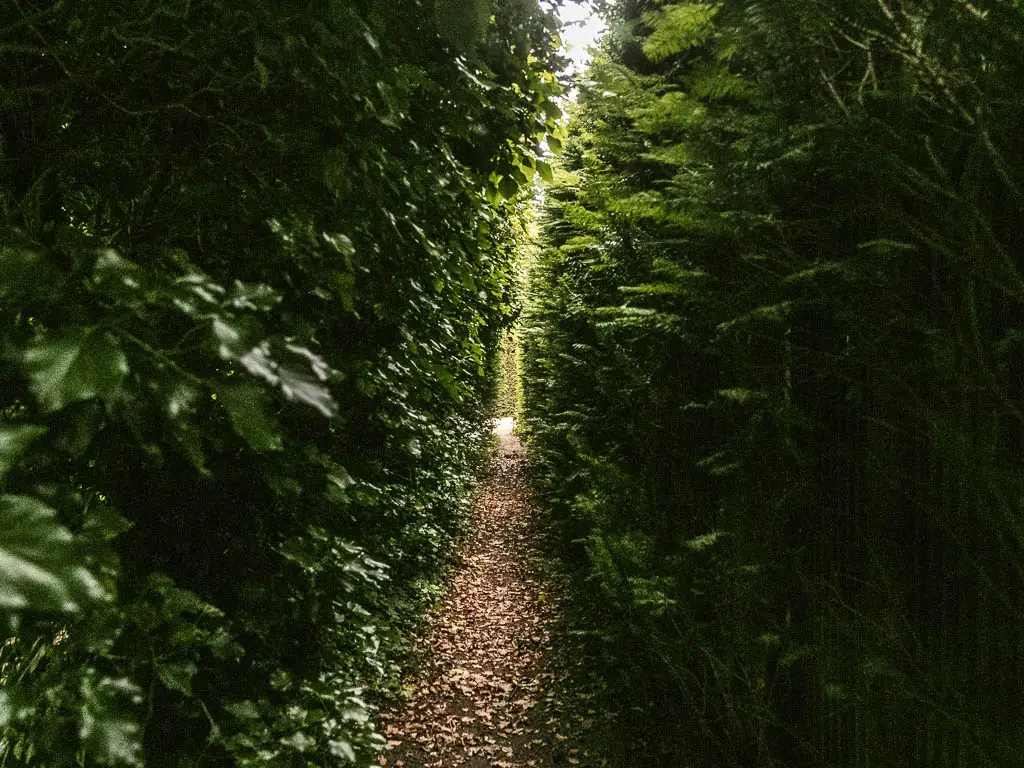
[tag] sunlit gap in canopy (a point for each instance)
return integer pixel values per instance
(581, 29)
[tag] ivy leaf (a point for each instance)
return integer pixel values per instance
(37, 568)
(177, 676)
(248, 408)
(508, 187)
(79, 365)
(308, 388)
(14, 439)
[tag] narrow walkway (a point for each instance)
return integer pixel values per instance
(478, 698)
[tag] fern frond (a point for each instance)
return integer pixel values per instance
(716, 82)
(677, 28)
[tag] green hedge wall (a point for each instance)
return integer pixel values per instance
(773, 360)
(254, 257)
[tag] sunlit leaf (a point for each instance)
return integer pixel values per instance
(38, 568)
(78, 365)
(177, 676)
(257, 297)
(248, 407)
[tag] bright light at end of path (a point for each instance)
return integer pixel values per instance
(503, 427)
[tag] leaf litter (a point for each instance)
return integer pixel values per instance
(483, 695)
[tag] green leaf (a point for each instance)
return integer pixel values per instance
(339, 482)
(115, 740)
(462, 23)
(551, 109)
(37, 560)
(243, 710)
(545, 171)
(257, 297)
(342, 749)
(79, 365)
(24, 272)
(299, 741)
(177, 675)
(742, 395)
(703, 541)
(117, 276)
(305, 387)
(508, 187)
(110, 737)
(248, 407)
(79, 425)
(14, 439)
(301, 552)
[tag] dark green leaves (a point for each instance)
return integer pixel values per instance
(258, 297)
(248, 406)
(38, 564)
(106, 724)
(76, 365)
(462, 23)
(24, 272)
(508, 187)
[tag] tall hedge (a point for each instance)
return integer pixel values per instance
(773, 361)
(253, 260)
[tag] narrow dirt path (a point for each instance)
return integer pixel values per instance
(478, 700)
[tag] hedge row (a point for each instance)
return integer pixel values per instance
(773, 364)
(253, 260)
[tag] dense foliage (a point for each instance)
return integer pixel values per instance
(253, 257)
(773, 364)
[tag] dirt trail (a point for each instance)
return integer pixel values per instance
(478, 698)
